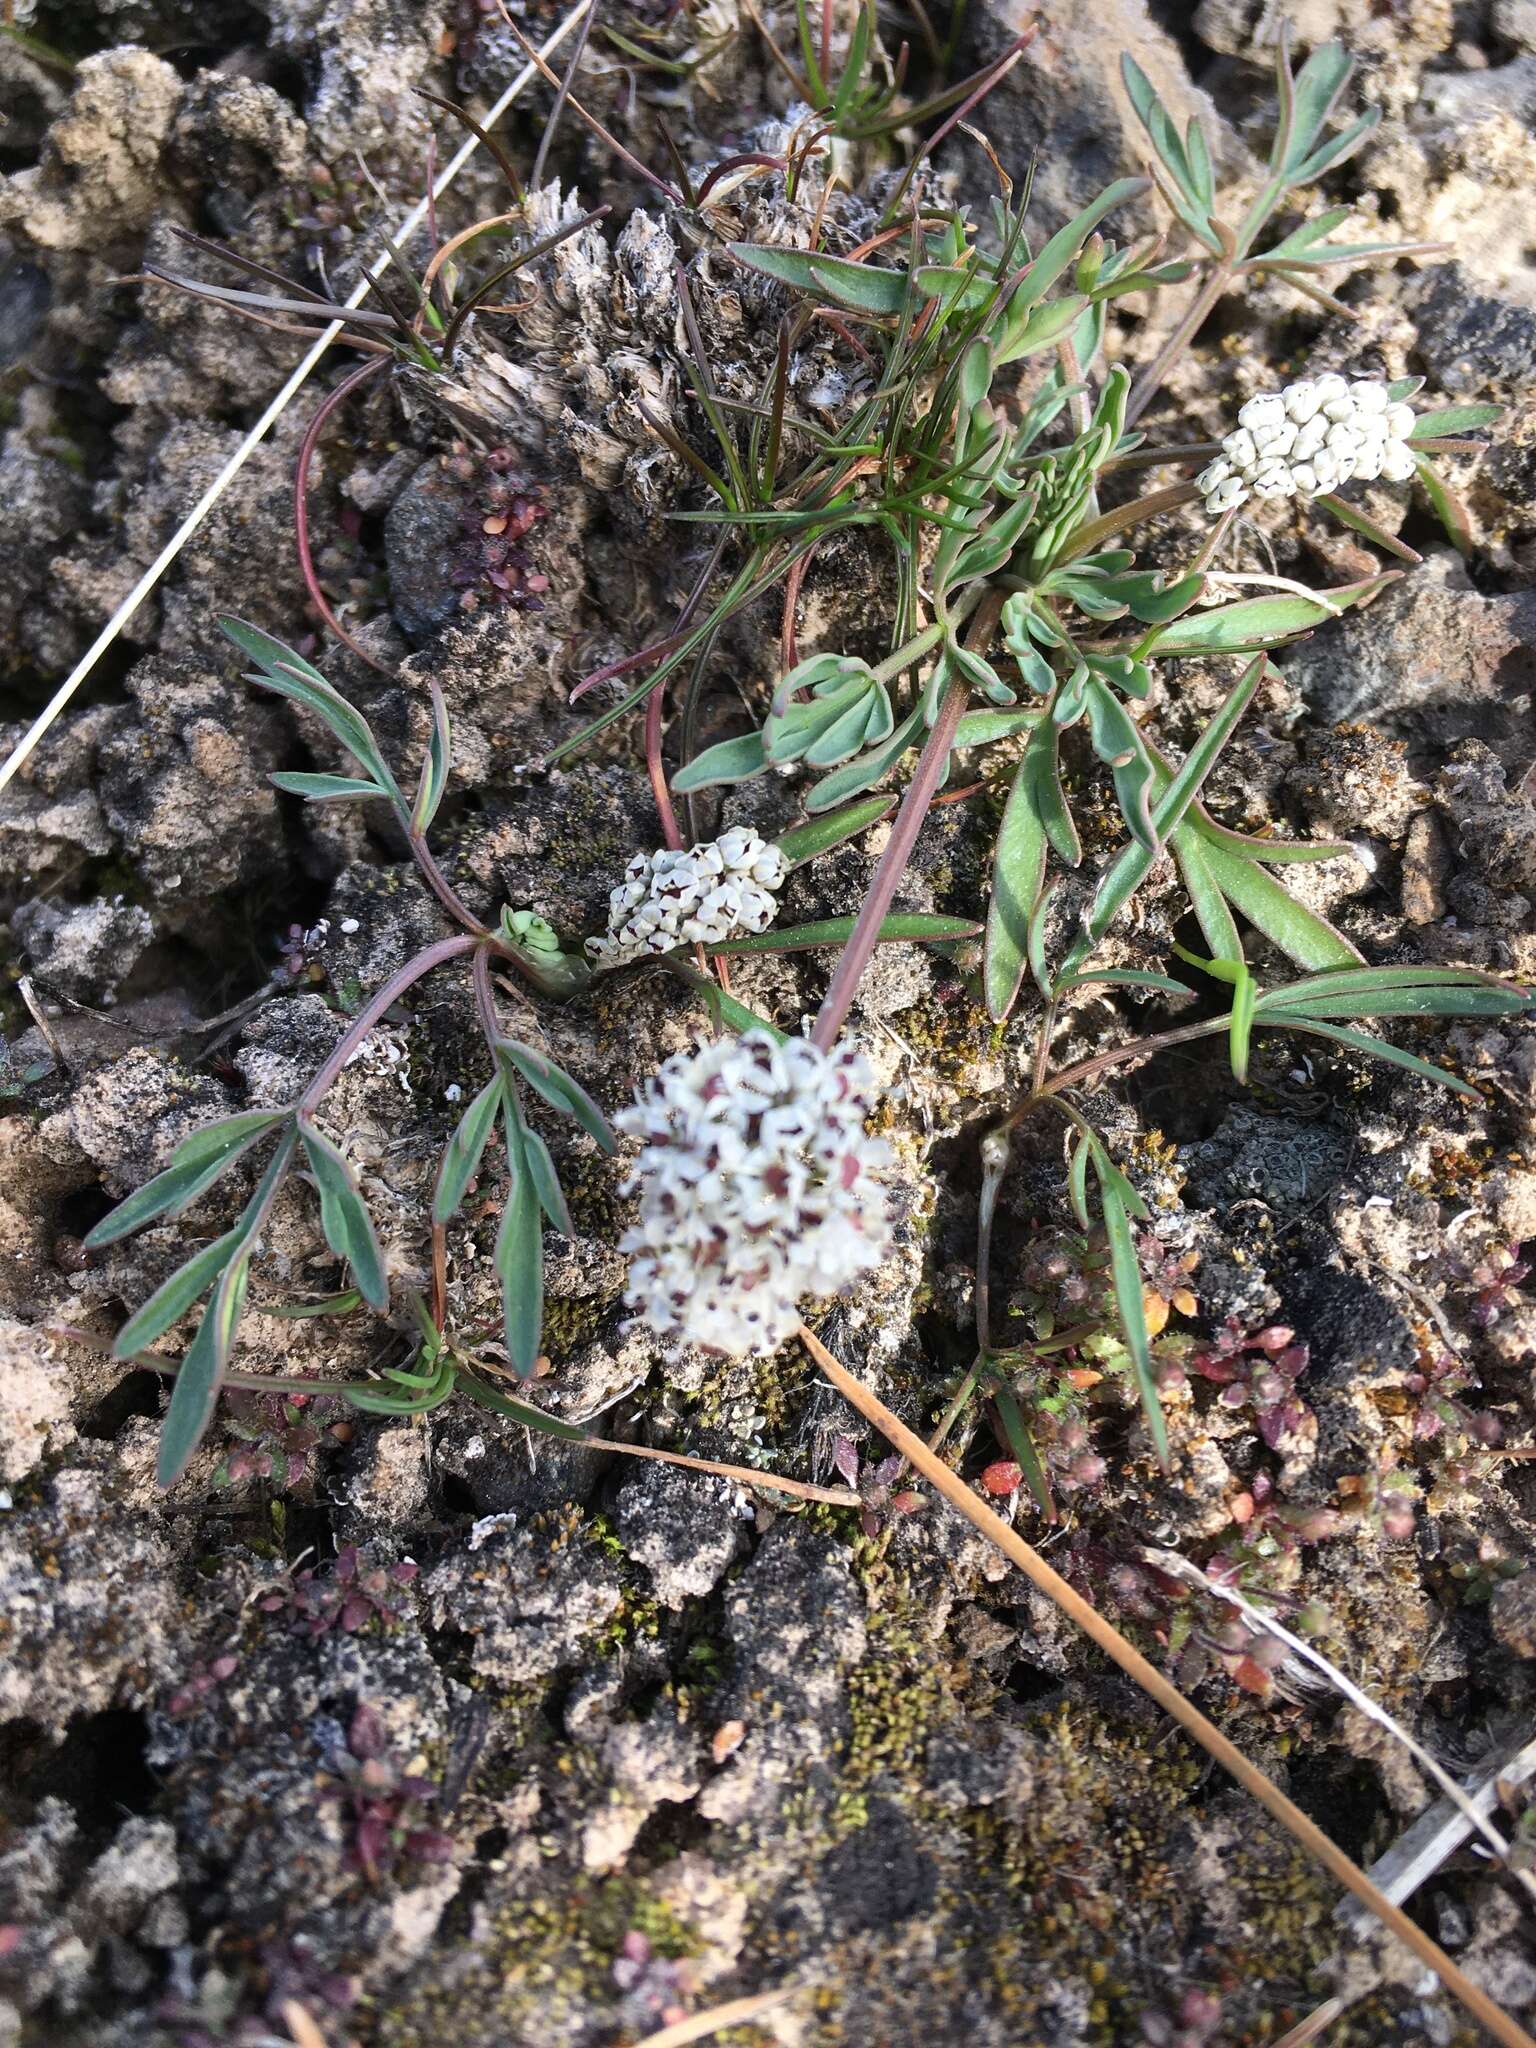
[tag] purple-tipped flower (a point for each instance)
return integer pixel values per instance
(757, 1188)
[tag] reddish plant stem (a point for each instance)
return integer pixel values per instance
(915, 804)
(403, 978)
(656, 768)
(442, 888)
(317, 597)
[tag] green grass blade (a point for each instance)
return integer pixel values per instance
(1125, 1273)
(1022, 1445)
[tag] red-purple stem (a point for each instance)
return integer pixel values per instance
(307, 447)
(403, 978)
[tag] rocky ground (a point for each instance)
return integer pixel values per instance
(428, 1731)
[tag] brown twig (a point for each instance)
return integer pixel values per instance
(1114, 1645)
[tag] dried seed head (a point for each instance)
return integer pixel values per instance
(757, 1188)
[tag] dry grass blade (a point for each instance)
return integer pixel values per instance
(1257, 1618)
(700, 2025)
(278, 404)
(1114, 1645)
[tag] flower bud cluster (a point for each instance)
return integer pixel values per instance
(756, 1186)
(709, 892)
(1309, 439)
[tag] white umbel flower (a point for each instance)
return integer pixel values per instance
(1308, 439)
(709, 892)
(757, 1189)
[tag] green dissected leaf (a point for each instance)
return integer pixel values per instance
(1454, 419)
(1118, 745)
(859, 773)
(173, 1297)
(1127, 872)
(1209, 905)
(289, 675)
(546, 1182)
(321, 789)
(1146, 598)
(1376, 1049)
(1337, 149)
(201, 1373)
(1313, 96)
(1022, 1445)
(980, 674)
(195, 1165)
(1300, 933)
(858, 286)
(818, 835)
(1255, 622)
(981, 728)
(735, 760)
(558, 1090)
(843, 715)
(520, 1263)
(1125, 1273)
(344, 1216)
(835, 931)
(461, 1158)
(434, 769)
(1039, 918)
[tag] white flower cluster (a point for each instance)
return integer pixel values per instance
(756, 1189)
(1308, 439)
(712, 891)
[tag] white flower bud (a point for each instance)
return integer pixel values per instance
(1308, 439)
(713, 891)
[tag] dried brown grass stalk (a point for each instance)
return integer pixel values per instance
(1114, 1645)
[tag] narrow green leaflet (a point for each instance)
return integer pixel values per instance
(344, 1216)
(728, 761)
(901, 925)
(1018, 869)
(558, 1090)
(461, 1158)
(546, 1182)
(195, 1165)
(1300, 933)
(201, 1373)
(519, 1411)
(855, 285)
(1454, 419)
(1022, 1445)
(434, 769)
(981, 728)
(1259, 622)
(520, 1263)
(174, 1296)
(818, 835)
(1077, 1182)
(1376, 1048)
(290, 675)
(1125, 1272)
(1210, 906)
(324, 789)
(1125, 977)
